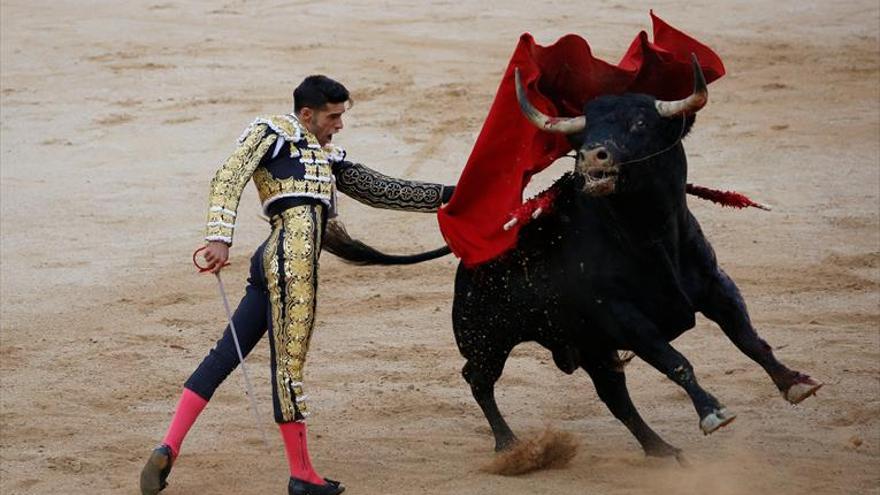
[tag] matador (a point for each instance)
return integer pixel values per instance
(297, 171)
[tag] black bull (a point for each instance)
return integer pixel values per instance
(619, 264)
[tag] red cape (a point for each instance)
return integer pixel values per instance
(559, 80)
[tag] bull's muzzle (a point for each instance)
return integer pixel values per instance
(599, 170)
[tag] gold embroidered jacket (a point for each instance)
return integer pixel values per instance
(285, 160)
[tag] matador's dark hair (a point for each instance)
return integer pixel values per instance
(316, 91)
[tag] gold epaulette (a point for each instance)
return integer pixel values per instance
(285, 126)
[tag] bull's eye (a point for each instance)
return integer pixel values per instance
(638, 125)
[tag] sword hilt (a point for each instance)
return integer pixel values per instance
(203, 269)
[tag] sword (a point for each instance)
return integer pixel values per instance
(249, 389)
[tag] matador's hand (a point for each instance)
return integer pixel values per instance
(446, 194)
(216, 254)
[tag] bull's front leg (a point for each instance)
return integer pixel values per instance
(724, 305)
(608, 376)
(637, 333)
(481, 374)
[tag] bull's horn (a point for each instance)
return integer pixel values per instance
(693, 103)
(565, 125)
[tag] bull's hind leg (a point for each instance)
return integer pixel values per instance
(610, 381)
(724, 305)
(481, 373)
(649, 344)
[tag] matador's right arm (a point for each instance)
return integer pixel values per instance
(230, 179)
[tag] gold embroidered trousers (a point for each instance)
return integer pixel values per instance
(290, 265)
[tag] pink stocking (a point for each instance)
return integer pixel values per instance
(294, 435)
(188, 410)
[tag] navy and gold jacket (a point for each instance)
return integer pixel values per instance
(288, 164)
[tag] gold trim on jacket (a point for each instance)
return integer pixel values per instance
(375, 189)
(244, 163)
(230, 179)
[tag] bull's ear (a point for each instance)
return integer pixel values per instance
(575, 140)
(677, 128)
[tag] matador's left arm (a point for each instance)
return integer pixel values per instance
(381, 191)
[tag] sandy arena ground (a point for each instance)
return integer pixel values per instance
(116, 114)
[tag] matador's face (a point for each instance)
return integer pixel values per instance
(323, 123)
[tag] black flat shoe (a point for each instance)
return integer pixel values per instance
(156, 470)
(299, 487)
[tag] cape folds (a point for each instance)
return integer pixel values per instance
(559, 80)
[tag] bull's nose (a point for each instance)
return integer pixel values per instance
(597, 157)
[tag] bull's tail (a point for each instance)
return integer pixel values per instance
(338, 242)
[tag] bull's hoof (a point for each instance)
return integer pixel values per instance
(716, 419)
(506, 443)
(803, 387)
(551, 450)
(666, 450)
(155, 473)
(682, 460)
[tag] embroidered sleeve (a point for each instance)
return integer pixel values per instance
(375, 189)
(230, 179)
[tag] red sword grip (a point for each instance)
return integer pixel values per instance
(203, 269)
